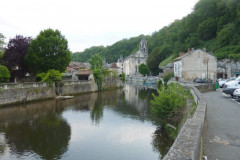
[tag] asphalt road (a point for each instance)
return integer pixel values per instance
(223, 127)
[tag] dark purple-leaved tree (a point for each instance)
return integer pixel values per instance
(14, 56)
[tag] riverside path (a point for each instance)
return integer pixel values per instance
(223, 127)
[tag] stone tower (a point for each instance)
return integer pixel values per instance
(143, 46)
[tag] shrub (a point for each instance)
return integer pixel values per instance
(40, 76)
(167, 77)
(52, 76)
(159, 84)
(4, 74)
(168, 101)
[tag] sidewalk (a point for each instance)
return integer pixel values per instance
(223, 127)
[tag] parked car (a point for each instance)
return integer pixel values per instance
(232, 83)
(198, 80)
(222, 83)
(236, 93)
(230, 88)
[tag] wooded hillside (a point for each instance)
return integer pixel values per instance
(213, 24)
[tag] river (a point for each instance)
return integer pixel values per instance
(113, 125)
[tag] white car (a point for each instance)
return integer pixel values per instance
(236, 93)
(222, 82)
(232, 83)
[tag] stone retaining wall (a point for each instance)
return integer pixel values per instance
(189, 142)
(16, 93)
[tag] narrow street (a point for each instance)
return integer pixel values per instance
(223, 127)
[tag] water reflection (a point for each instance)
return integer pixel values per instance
(115, 125)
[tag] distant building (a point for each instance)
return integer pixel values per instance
(130, 64)
(227, 68)
(195, 64)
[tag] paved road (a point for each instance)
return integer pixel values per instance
(223, 127)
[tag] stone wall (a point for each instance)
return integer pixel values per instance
(189, 142)
(16, 93)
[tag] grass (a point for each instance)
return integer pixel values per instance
(167, 60)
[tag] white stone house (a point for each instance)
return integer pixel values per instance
(130, 64)
(195, 64)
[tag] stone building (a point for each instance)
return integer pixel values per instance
(227, 68)
(195, 64)
(130, 64)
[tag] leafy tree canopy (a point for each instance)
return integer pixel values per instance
(96, 62)
(214, 24)
(14, 55)
(48, 51)
(2, 40)
(4, 74)
(143, 69)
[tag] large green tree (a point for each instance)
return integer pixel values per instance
(48, 51)
(143, 69)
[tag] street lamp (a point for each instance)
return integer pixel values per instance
(207, 59)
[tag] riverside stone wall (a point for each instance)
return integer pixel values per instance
(189, 142)
(16, 93)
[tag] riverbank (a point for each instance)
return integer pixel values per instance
(12, 93)
(190, 140)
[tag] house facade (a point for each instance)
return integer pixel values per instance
(130, 64)
(195, 64)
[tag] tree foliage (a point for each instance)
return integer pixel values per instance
(96, 62)
(168, 101)
(4, 74)
(48, 51)
(2, 37)
(14, 55)
(52, 76)
(167, 77)
(143, 69)
(214, 24)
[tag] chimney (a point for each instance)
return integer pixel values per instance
(192, 49)
(204, 49)
(188, 50)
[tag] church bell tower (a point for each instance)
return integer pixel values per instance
(143, 46)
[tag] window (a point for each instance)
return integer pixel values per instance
(138, 61)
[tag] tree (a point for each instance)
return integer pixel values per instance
(4, 74)
(48, 51)
(143, 69)
(14, 56)
(96, 62)
(2, 40)
(52, 76)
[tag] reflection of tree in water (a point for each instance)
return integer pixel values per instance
(161, 141)
(97, 111)
(47, 136)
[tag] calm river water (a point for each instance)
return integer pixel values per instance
(114, 125)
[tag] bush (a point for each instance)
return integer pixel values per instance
(52, 76)
(4, 74)
(167, 77)
(40, 76)
(168, 101)
(123, 77)
(159, 84)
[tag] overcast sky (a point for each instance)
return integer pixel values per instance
(87, 23)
